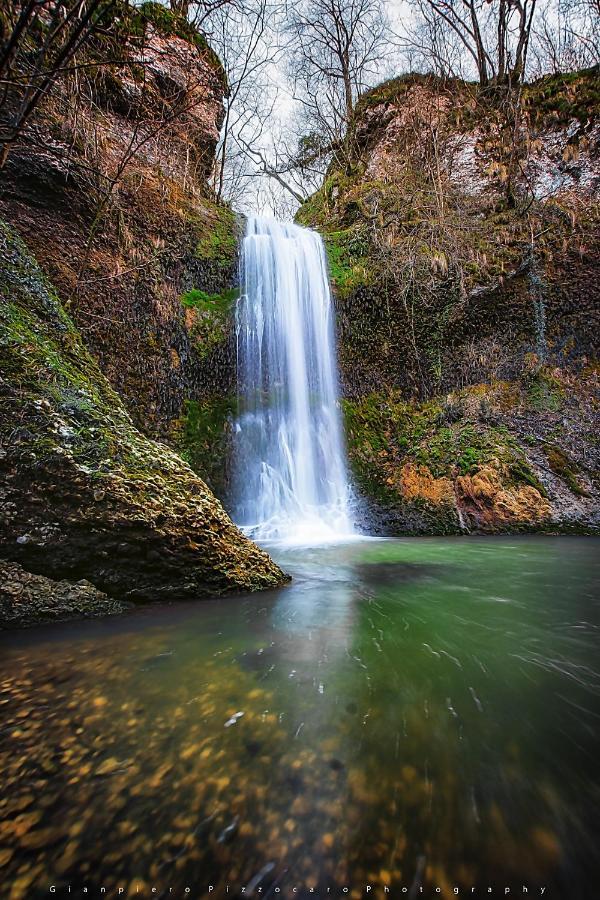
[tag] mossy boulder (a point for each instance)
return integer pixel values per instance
(28, 599)
(84, 493)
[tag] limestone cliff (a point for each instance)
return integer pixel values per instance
(462, 230)
(84, 494)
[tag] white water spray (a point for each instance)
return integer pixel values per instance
(290, 460)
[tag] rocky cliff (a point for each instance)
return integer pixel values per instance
(109, 192)
(123, 337)
(84, 494)
(462, 230)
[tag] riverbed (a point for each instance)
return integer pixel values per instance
(407, 713)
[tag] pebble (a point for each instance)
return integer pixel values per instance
(108, 767)
(188, 783)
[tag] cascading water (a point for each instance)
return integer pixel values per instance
(292, 483)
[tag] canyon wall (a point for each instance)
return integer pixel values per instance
(109, 192)
(117, 281)
(462, 230)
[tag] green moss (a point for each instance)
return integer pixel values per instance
(521, 473)
(203, 438)
(212, 320)
(348, 264)
(219, 243)
(544, 392)
(196, 299)
(463, 448)
(44, 359)
(385, 432)
(382, 434)
(365, 422)
(317, 209)
(566, 468)
(565, 96)
(312, 211)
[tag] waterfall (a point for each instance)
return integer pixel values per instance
(290, 463)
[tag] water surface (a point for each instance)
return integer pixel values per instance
(408, 712)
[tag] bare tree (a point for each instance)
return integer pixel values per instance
(244, 35)
(38, 48)
(567, 37)
(282, 171)
(433, 45)
(337, 49)
(240, 39)
(494, 36)
(198, 13)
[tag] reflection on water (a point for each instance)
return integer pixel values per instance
(405, 713)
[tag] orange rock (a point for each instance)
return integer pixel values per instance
(489, 503)
(417, 482)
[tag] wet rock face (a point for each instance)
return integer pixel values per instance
(83, 493)
(488, 503)
(27, 599)
(506, 456)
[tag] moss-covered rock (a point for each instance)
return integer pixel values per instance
(219, 243)
(478, 459)
(27, 599)
(84, 493)
(462, 230)
(565, 468)
(209, 319)
(203, 437)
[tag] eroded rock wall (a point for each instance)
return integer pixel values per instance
(84, 494)
(463, 238)
(109, 190)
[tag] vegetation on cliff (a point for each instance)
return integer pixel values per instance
(463, 249)
(85, 494)
(491, 457)
(115, 164)
(203, 437)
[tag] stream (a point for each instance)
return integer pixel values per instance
(417, 713)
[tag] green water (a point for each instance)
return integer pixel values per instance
(416, 713)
